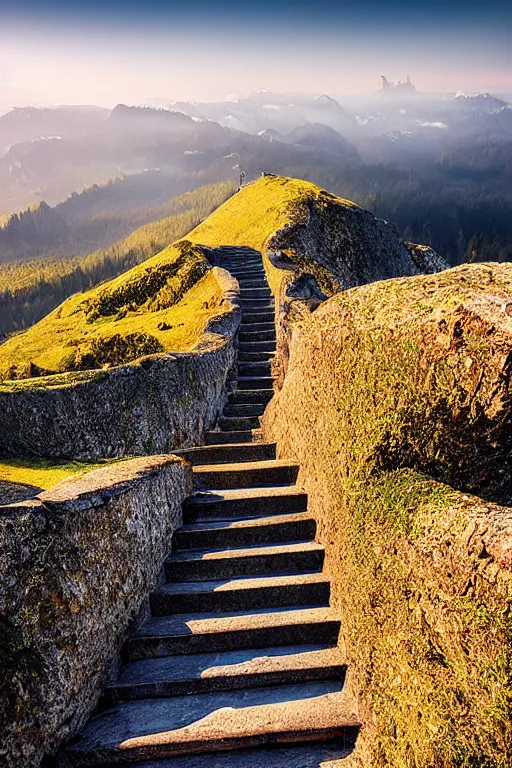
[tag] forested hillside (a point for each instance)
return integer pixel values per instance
(95, 217)
(31, 289)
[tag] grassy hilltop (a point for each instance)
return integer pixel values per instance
(160, 305)
(258, 210)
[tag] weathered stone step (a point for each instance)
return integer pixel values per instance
(248, 336)
(252, 396)
(245, 409)
(254, 266)
(243, 533)
(236, 594)
(246, 475)
(214, 564)
(258, 316)
(165, 727)
(238, 504)
(212, 672)
(254, 272)
(331, 754)
(253, 281)
(267, 325)
(203, 633)
(229, 453)
(221, 438)
(257, 346)
(238, 423)
(255, 357)
(248, 277)
(255, 293)
(254, 369)
(255, 382)
(260, 303)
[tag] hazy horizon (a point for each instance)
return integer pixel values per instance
(106, 53)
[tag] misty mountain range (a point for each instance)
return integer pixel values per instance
(46, 154)
(440, 167)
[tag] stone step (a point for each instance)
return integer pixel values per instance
(267, 325)
(238, 423)
(234, 670)
(256, 272)
(253, 474)
(238, 504)
(253, 303)
(204, 633)
(254, 369)
(229, 453)
(244, 533)
(222, 438)
(255, 293)
(247, 277)
(252, 281)
(250, 272)
(255, 382)
(236, 594)
(330, 754)
(150, 729)
(247, 336)
(245, 409)
(252, 396)
(258, 316)
(257, 346)
(255, 357)
(215, 564)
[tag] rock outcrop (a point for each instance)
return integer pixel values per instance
(343, 245)
(393, 391)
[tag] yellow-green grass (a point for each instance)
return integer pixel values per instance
(179, 215)
(252, 215)
(163, 303)
(42, 473)
(119, 321)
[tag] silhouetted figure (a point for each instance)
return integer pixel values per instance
(242, 179)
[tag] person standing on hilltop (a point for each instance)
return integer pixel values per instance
(242, 179)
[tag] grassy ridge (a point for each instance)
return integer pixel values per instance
(162, 304)
(30, 290)
(251, 216)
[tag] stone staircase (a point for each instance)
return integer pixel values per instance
(238, 664)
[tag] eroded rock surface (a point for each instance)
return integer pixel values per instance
(77, 564)
(392, 389)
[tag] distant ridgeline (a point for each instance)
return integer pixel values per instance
(31, 289)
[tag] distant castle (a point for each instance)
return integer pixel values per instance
(402, 88)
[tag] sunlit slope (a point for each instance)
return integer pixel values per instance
(29, 290)
(162, 304)
(250, 216)
(42, 473)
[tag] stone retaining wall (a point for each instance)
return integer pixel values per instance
(77, 564)
(158, 403)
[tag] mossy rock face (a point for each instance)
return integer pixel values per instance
(397, 406)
